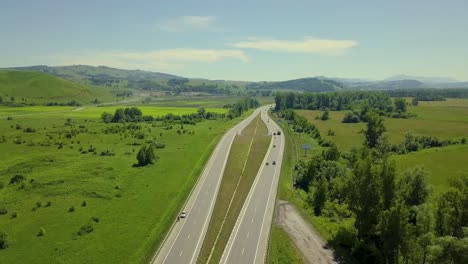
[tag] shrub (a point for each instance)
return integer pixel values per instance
(38, 204)
(14, 215)
(160, 145)
(3, 211)
(17, 179)
(83, 204)
(10, 118)
(95, 219)
(42, 232)
(3, 240)
(71, 209)
(48, 204)
(1, 185)
(86, 229)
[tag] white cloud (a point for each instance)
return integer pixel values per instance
(308, 45)
(188, 23)
(159, 60)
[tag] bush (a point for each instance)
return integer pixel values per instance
(17, 179)
(3, 211)
(71, 209)
(48, 204)
(83, 204)
(14, 215)
(3, 240)
(95, 219)
(42, 232)
(86, 229)
(345, 237)
(1, 185)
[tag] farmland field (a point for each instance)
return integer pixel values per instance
(72, 196)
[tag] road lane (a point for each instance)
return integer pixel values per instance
(249, 239)
(185, 239)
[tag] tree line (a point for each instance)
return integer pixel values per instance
(359, 103)
(430, 94)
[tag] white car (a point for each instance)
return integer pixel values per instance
(183, 214)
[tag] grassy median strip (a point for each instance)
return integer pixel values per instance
(246, 155)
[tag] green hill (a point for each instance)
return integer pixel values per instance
(23, 87)
(304, 84)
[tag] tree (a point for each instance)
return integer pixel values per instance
(413, 186)
(393, 227)
(332, 153)
(106, 117)
(400, 104)
(146, 155)
(365, 197)
(201, 112)
(375, 129)
(325, 115)
(119, 116)
(141, 156)
(388, 182)
(320, 194)
(415, 101)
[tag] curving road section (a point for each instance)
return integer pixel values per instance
(249, 239)
(184, 241)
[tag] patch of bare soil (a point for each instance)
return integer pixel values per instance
(309, 242)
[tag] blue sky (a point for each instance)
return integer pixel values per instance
(242, 40)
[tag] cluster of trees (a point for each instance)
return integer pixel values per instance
(191, 119)
(359, 103)
(429, 94)
(129, 114)
(70, 103)
(394, 217)
(300, 124)
(241, 106)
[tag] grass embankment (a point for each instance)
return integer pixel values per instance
(134, 207)
(282, 249)
(246, 155)
(444, 120)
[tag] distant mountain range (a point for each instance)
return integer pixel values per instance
(146, 80)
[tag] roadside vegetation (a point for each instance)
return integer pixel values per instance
(282, 248)
(371, 208)
(246, 155)
(68, 180)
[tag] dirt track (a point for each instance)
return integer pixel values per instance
(309, 242)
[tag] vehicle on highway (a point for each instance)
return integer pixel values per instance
(274, 163)
(274, 134)
(267, 163)
(278, 133)
(274, 146)
(183, 214)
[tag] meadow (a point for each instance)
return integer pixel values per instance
(445, 120)
(78, 189)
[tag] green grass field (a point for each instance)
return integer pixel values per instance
(282, 249)
(246, 155)
(135, 206)
(442, 164)
(445, 120)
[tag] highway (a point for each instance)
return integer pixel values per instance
(184, 241)
(249, 239)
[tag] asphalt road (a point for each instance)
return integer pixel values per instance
(249, 239)
(185, 239)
